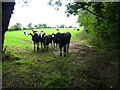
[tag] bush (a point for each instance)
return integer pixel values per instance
(14, 28)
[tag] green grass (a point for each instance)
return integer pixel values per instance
(82, 68)
(15, 39)
(24, 68)
(36, 70)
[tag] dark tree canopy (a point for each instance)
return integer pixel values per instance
(102, 19)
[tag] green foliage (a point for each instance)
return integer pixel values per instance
(16, 27)
(61, 65)
(44, 25)
(36, 26)
(101, 18)
(40, 26)
(29, 26)
(19, 25)
(56, 3)
(83, 35)
(8, 55)
(24, 28)
(62, 26)
(55, 80)
(12, 28)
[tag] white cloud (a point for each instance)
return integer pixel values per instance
(39, 12)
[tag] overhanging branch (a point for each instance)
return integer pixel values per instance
(93, 13)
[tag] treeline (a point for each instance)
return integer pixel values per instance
(18, 26)
(102, 20)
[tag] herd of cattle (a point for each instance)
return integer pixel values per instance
(61, 39)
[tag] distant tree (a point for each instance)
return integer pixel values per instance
(70, 26)
(40, 26)
(19, 26)
(12, 28)
(57, 26)
(36, 26)
(49, 27)
(44, 25)
(30, 26)
(62, 26)
(24, 28)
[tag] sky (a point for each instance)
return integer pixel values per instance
(38, 11)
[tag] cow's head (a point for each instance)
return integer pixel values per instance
(42, 34)
(25, 33)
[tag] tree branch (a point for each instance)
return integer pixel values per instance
(93, 13)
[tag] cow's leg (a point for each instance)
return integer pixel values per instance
(51, 44)
(67, 48)
(47, 47)
(64, 51)
(34, 46)
(37, 47)
(54, 44)
(41, 46)
(44, 47)
(60, 50)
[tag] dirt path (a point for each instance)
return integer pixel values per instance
(81, 49)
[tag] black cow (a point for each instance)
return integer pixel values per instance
(42, 34)
(26, 33)
(35, 38)
(54, 39)
(78, 30)
(46, 40)
(57, 29)
(63, 40)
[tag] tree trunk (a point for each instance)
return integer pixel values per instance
(7, 10)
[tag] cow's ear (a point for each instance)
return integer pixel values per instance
(30, 34)
(24, 33)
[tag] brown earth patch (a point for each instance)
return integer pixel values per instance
(80, 49)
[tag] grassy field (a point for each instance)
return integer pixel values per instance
(16, 39)
(83, 67)
(24, 68)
